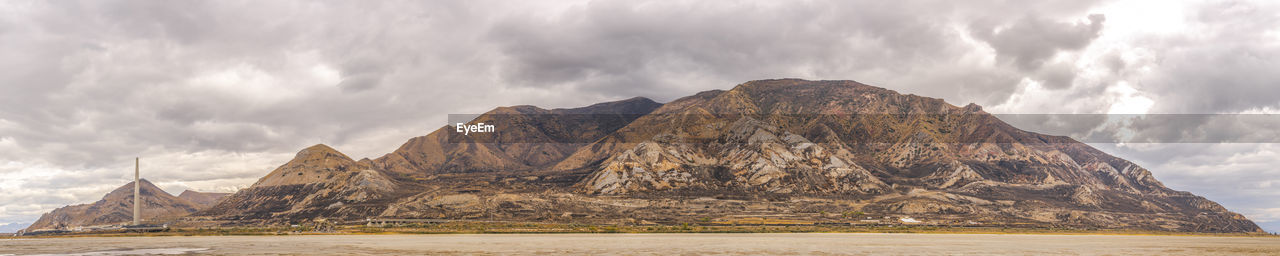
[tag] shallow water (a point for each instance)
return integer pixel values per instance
(654, 244)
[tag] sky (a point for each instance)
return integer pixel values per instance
(214, 94)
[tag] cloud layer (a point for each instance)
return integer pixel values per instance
(214, 94)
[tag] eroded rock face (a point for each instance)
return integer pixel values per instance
(749, 155)
(955, 174)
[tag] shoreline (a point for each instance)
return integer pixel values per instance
(554, 229)
(654, 244)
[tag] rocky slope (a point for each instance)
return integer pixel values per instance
(203, 199)
(530, 137)
(784, 148)
(117, 208)
(749, 155)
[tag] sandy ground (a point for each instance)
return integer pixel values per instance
(650, 244)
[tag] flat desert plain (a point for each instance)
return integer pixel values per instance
(652, 244)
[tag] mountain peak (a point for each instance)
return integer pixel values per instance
(310, 165)
(319, 152)
(319, 149)
(147, 189)
(634, 105)
(636, 99)
(792, 82)
(147, 186)
(972, 108)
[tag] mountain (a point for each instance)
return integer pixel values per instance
(898, 153)
(786, 148)
(318, 179)
(117, 208)
(13, 227)
(203, 199)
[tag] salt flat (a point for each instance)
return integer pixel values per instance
(652, 244)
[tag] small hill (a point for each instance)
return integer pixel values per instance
(319, 181)
(117, 208)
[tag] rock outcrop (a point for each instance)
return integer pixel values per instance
(749, 155)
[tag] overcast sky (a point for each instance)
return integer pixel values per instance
(215, 94)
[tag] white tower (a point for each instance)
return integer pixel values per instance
(137, 184)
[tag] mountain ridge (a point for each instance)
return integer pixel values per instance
(785, 148)
(765, 140)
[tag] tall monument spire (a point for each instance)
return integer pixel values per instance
(137, 184)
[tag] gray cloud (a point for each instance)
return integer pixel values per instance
(620, 48)
(1227, 66)
(1153, 128)
(1030, 41)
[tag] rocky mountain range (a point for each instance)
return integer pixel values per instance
(817, 151)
